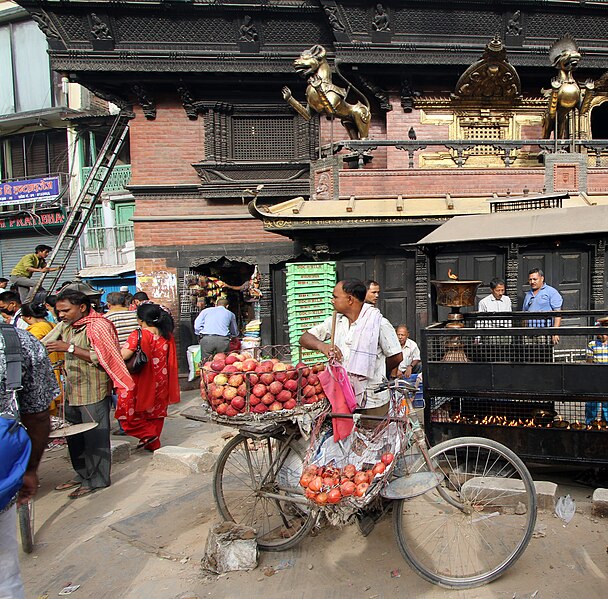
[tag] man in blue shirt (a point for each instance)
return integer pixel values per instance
(215, 326)
(542, 298)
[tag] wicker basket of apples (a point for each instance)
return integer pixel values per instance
(240, 389)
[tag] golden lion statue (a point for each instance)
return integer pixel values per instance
(326, 98)
(565, 94)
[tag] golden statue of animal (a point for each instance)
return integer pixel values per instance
(565, 94)
(324, 97)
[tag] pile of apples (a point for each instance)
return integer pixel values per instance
(329, 485)
(235, 384)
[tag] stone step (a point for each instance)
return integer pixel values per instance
(121, 450)
(186, 460)
(600, 502)
(508, 491)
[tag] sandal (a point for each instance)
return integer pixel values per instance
(69, 485)
(143, 444)
(81, 492)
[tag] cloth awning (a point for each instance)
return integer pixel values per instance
(548, 222)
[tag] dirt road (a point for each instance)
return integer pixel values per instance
(144, 538)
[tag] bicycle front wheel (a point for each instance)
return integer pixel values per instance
(256, 483)
(25, 513)
(476, 523)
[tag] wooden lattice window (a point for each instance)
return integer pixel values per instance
(483, 132)
(264, 138)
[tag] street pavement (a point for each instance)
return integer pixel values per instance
(144, 537)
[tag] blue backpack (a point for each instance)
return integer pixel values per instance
(15, 444)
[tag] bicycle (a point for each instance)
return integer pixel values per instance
(457, 523)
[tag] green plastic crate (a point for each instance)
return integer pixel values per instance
(310, 267)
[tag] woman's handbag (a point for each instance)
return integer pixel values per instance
(139, 359)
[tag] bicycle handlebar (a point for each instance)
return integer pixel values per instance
(397, 385)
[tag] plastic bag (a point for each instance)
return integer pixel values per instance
(565, 508)
(339, 391)
(193, 353)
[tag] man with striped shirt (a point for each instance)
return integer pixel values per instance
(119, 314)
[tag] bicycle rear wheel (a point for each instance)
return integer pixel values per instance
(256, 483)
(476, 523)
(25, 514)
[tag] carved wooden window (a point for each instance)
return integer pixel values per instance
(261, 132)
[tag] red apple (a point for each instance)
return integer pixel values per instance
(249, 365)
(290, 404)
(268, 399)
(260, 408)
(230, 411)
(242, 390)
(220, 356)
(209, 376)
(229, 392)
(259, 390)
(290, 385)
(267, 366)
(253, 378)
(284, 396)
(318, 388)
(230, 369)
(231, 359)
(279, 367)
(221, 409)
(267, 378)
(218, 392)
(238, 403)
(313, 379)
(308, 391)
(253, 400)
(235, 380)
(275, 387)
(217, 365)
(275, 406)
(220, 379)
(280, 376)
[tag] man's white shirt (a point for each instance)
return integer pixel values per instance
(410, 353)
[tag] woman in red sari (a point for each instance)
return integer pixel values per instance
(142, 411)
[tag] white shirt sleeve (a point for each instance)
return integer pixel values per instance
(322, 331)
(388, 340)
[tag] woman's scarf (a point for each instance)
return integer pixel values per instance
(102, 335)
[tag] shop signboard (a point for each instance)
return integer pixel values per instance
(30, 190)
(29, 220)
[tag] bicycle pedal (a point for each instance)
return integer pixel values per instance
(366, 524)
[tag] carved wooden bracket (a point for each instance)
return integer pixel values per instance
(145, 100)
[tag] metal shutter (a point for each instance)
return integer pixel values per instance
(13, 249)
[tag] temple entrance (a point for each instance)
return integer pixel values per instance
(599, 121)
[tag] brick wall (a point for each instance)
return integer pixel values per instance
(163, 149)
(434, 182)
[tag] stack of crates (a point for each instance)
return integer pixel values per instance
(309, 289)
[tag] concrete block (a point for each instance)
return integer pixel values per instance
(600, 502)
(186, 460)
(507, 492)
(121, 451)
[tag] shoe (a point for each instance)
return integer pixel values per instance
(118, 432)
(144, 443)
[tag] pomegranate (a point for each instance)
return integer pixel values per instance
(305, 479)
(347, 488)
(349, 470)
(311, 469)
(267, 366)
(387, 458)
(334, 496)
(310, 495)
(221, 409)
(322, 498)
(361, 489)
(308, 391)
(313, 379)
(379, 468)
(315, 484)
(360, 477)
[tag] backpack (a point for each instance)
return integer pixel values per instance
(15, 444)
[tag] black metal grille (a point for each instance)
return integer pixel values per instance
(532, 203)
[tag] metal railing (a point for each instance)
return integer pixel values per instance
(119, 177)
(462, 149)
(104, 246)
